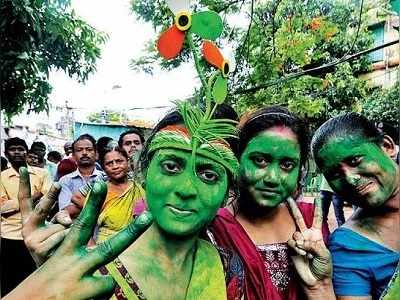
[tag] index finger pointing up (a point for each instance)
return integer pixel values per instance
(317, 220)
(45, 205)
(298, 217)
(24, 194)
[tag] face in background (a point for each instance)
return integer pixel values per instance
(183, 201)
(116, 166)
(84, 153)
(68, 148)
(270, 166)
(359, 170)
(131, 143)
(16, 155)
(33, 159)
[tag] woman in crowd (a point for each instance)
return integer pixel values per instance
(122, 195)
(357, 160)
(273, 149)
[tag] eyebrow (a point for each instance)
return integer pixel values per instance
(267, 154)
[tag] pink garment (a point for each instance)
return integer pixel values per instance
(230, 234)
(140, 207)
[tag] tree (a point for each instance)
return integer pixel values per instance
(383, 105)
(277, 55)
(37, 36)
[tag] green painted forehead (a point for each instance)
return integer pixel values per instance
(171, 138)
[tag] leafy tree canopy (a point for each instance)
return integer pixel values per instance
(35, 37)
(284, 37)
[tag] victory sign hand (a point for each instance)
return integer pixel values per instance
(313, 262)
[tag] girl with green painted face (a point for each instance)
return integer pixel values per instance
(168, 261)
(273, 148)
(357, 160)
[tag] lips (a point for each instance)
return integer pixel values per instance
(268, 192)
(181, 212)
(363, 188)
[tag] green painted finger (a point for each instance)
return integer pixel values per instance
(82, 229)
(111, 248)
(207, 24)
(43, 208)
(220, 89)
(97, 286)
(24, 194)
(296, 213)
(317, 220)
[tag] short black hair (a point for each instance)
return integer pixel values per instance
(82, 137)
(55, 154)
(38, 146)
(136, 131)
(15, 141)
(348, 124)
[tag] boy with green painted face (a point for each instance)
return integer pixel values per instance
(356, 159)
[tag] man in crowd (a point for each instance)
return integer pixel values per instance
(132, 142)
(68, 149)
(16, 262)
(84, 153)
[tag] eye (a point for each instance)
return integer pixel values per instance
(259, 161)
(208, 176)
(287, 165)
(170, 167)
(354, 161)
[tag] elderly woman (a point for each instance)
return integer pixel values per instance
(356, 159)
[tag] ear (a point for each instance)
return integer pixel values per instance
(388, 146)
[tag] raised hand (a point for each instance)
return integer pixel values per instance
(313, 262)
(68, 273)
(40, 237)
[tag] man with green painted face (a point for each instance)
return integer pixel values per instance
(356, 160)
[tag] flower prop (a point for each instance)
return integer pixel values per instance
(203, 133)
(206, 24)
(215, 58)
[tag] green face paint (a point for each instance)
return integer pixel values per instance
(359, 170)
(269, 166)
(181, 201)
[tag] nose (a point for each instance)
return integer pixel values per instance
(187, 189)
(271, 176)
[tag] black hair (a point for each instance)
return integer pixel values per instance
(344, 125)
(54, 154)
(38, 146)
(269, 117)
(136, 131)
(15, 141)
(84, 137)
(102, 144)
(4, 163)
(110, 149)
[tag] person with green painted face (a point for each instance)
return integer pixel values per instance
(356, 159)
(273, 148)
(168, 261)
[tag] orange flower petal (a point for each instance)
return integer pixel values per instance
(212, 54)
(170, 42)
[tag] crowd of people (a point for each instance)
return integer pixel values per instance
(156, 219)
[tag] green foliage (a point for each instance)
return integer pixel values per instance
(37, 36)
(107, 116)
(383, 105)
(284, 38)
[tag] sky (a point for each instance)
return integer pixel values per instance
(127, 37)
